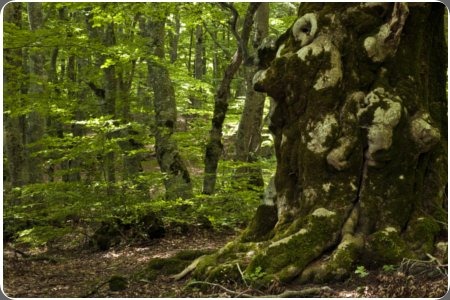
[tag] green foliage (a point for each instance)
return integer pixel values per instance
(255, 275)
(40, 235)
(389, 268)
(80, 139)
(361, 271)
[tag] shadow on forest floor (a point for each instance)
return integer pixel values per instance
(83, 273)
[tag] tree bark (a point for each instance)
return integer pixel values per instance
(177, 182)
(360, 142)
(214, 146)
(198, 64)
(198, 61)
(35, 121)
(109, 108)
(248, 138)
(12, 84)
(174, 37)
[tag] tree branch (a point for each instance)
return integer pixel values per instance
(216, 42)
(246, 26)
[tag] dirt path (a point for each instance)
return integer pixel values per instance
(76, 274)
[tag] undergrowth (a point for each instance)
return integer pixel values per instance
(42, 214)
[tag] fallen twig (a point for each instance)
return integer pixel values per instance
(242, 274)
(307, 292)
(221, 287)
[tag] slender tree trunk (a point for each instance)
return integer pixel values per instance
(214, 146)
(177, 182)
(110, 84)
(360, 142)
(174, 37)
(131, 162)
(12, 85)
(35, 121)
(248, 138)
(198, 64)
(189, 62)
(77, 131)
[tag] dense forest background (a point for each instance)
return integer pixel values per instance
(108, 110)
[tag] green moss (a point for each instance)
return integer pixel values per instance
(164, 266)
(291, 254)
(261, 226)
(205, 265)
(227, 272)
(421, 234)
(385, 247)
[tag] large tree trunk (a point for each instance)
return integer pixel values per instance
(360, 135)
(177, 182)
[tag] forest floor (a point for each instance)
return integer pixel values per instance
(85, 273)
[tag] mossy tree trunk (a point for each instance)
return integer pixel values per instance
(360, 133)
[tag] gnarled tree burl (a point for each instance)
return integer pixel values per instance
(360, 133)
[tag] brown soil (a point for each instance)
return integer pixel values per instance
(80, 273)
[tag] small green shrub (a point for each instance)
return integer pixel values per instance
(389, 268)
(255, 275)
(361, 271)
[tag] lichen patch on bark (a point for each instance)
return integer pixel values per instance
(320, 132)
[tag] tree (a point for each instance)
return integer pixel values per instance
(360, 131)
(13, 124)
(35, 120)
(248, 137)
(177, 182)
(214, 145)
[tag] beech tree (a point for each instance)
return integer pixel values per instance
(178, 181)
(360, 130)
(214, 146)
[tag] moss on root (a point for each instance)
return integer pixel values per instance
(170, 266)
(287, 257)
(421, 234)
(385, 247)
